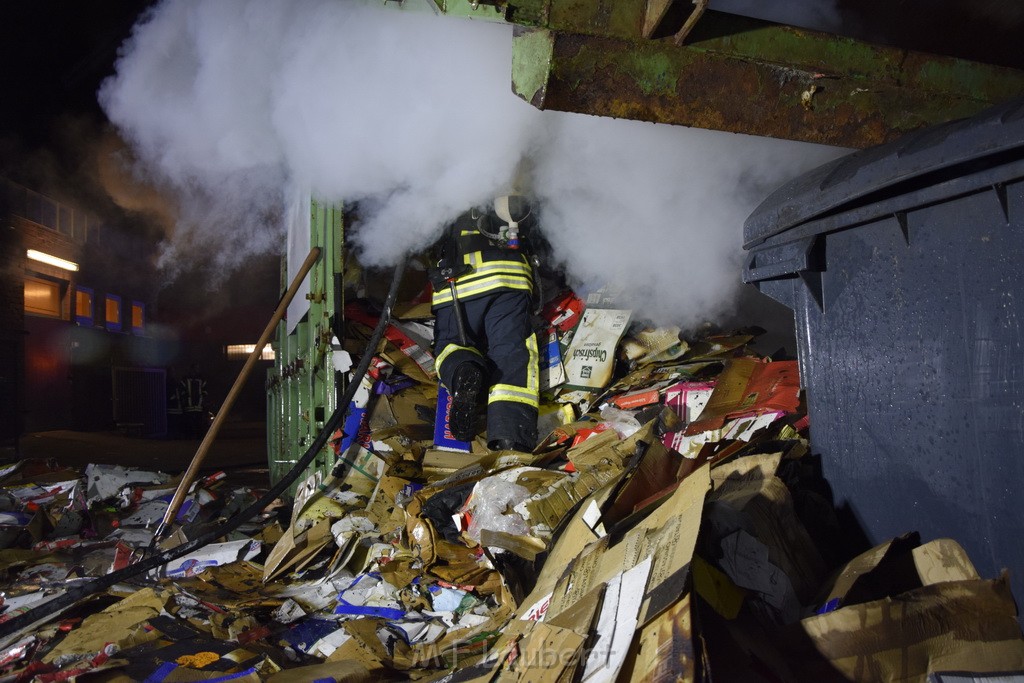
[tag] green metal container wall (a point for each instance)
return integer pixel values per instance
(303, 387)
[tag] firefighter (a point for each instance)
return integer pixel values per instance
(174, 411)
(192, 392)
(483, 336)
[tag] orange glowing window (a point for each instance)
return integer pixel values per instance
(138, 316)
(84, 312)
(113, 309)
(42, 297)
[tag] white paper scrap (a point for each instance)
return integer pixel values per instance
(616, 624)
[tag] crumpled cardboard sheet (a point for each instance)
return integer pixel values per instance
(750, 386)
(752, 527)
(738, 429)
(652, 345)
(718, 347)
(406, 338)
(668, 535)
(44, 490)
(237, 586)
(896, 566)
(212, 555)
(681, 370)
(944, 627)
(291, 551)
(665, 647)
(116, 624)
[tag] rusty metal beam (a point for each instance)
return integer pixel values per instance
(628, 19)
(743, 75)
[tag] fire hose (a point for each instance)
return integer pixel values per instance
(42, 613)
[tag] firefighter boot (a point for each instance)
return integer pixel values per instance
(467, 389)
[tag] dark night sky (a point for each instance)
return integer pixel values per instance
(55, 54)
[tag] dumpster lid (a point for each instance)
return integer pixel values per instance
(840, 183)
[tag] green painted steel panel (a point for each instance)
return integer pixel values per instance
(303, 387)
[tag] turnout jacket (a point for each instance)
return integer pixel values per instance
(480, 265)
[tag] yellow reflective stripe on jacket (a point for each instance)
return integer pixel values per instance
(488, 276)
(492, 283)
(481, 268)
(449, 350)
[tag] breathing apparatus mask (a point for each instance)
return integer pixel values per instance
(506, 222)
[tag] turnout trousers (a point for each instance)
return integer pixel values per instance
(501, 342)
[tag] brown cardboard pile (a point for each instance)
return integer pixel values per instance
(668, 526)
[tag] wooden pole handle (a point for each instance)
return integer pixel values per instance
(229, 401)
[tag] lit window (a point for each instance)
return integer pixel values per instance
(84, 306)
(42, 297)
(113, 318)
(242, 351)
(138, 316)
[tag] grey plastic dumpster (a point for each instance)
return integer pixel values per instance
(904, 267)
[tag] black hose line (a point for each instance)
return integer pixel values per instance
(72, 596)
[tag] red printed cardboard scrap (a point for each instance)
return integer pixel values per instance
(749, 386)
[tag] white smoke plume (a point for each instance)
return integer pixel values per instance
(658, 209)
(235, 104)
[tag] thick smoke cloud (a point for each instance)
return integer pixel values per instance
(658, 209)
(236, 105)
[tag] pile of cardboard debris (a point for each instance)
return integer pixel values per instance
(671, 525)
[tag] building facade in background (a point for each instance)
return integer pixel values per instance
(74, 306)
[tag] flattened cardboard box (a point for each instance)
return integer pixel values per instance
(950, 626)
(664, 650)
(751, 507)
(949, 621)
(668, 535)
(896, 566)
